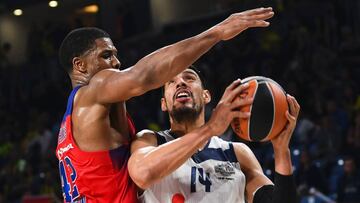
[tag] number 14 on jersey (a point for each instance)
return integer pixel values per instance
(203, 177)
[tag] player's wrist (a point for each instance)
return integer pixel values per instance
(283, 163)
(209, 130)
(214, 33)
(281, 152)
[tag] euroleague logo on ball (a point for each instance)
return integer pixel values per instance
(268, 110)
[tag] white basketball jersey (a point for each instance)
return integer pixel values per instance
(212, 175)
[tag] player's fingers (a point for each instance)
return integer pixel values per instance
(239, 114)
(291, 123)
(263, 16)
(236, 92)
(256, 11)
(297, 105)
(238, 102)
(258, 23)
(291, 102)
(289, 116)
(287, 132)
(234, 84)
(228, 89)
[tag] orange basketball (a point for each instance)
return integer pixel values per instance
(268, 109)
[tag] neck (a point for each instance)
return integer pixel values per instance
(78, 79)
(182, 128)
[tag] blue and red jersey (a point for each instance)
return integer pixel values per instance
(100, 176)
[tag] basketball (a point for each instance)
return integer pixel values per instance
(268, 109)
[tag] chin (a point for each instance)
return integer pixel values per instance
(184, 109)
(185, 114)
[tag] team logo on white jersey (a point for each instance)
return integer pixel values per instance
(224, 170)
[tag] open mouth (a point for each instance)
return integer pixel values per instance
(183, 95)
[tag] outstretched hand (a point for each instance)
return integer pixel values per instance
(238, 22)
(281, 142)
(228, 107)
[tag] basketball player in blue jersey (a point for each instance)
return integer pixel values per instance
(189, 163)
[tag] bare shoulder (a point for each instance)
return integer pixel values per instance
(87, 93)
(96, 88)
(246, 157)
(103, 74)
(100, 77)
(242, 150)
(144, 138)
(113, 85)
(147, 135)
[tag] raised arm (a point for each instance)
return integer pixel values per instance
(259, 188)
(149, 162)
(160, 66)
(280, 144)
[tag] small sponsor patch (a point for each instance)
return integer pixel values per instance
(224, 170)
(61, 151)
(62, 133)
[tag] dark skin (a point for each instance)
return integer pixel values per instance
(99, 111)
(91, 120)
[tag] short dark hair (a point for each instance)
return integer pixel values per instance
(198, 72)
(77, 42)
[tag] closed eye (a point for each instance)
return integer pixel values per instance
(106, 55)
(190, 77)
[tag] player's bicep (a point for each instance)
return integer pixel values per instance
(146, 142)
(145, 139)
(111, 86)
(255, 178)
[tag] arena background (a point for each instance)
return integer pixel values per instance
(312, 48)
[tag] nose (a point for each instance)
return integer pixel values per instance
(180, 83)
(115, 62)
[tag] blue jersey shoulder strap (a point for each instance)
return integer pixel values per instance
(218, 154)
(70, 102)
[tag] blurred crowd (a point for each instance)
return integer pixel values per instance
(312, 49)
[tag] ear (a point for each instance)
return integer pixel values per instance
(79, 65)
(163, 105)
(207, 96)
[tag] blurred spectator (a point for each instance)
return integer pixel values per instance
(352, 143)
(309, 175)
(349, 183)
(4, 51)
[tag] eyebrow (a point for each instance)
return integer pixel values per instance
(110, 49)
(191, 72)
(115, 51)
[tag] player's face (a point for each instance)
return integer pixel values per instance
(102, 56)
(184, 96)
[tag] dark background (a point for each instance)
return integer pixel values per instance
(312, 48)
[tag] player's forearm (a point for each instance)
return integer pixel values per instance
(283, 163)
(163, 160)
(163, 64)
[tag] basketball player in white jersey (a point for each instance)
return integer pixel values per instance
(189, 163)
